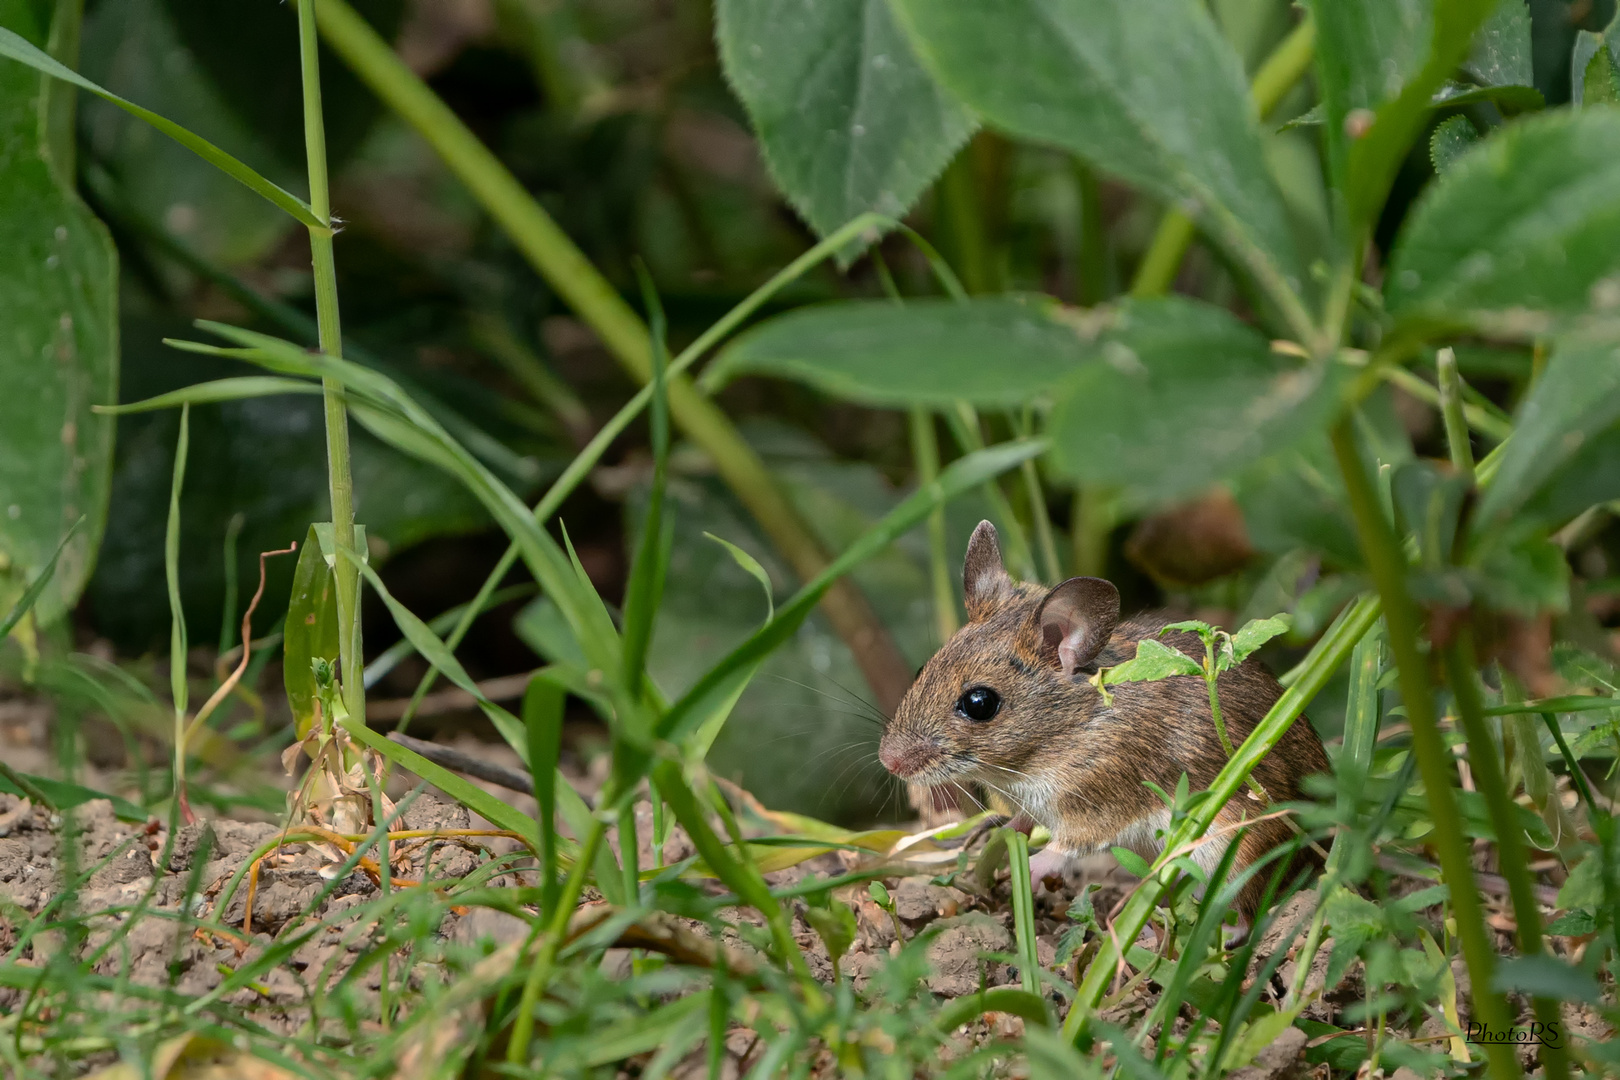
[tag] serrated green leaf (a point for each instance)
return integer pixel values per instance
(1154, 660)
(1600, 82)
(1573, 924)
(847, 118)
(1186, 395)
(996, 352)
(1454, 137)
(1089, 76)
(1588, 45)
(1346, 911)
(1255, 634)
(1530, 219)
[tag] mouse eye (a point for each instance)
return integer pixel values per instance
(979, 703)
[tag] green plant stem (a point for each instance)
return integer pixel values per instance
(1510, 849)
(1093, 286)
(963, 421)
(925, 455)
(582, 464)
(340, 478)
(1324, 659)
(1023, 902)
(1388, 566)
(1095, 513)
(566, 269)
(1491, 427)
(1040, 517)
(1285, 66)
(1162, 261)
(517, 1048)
(1451, 413)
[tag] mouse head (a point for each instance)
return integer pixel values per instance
(1009, 682)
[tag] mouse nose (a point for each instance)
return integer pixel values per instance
(908, 757)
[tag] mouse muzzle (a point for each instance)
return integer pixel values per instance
(907, 755)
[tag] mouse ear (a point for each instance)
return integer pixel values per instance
(985, 582)
(1075, 621)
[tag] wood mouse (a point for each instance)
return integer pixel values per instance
(1006, 703)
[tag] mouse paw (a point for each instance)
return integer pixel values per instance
(1047, 863)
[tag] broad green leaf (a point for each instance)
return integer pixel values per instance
(1380, 64)
(1530, 219)
(58, 353)
(1545, 976)
(1147, 90)
(1187, 395)
(1154, 660)
(17, 48)
(1255, 634)
(996, 352)
(1576, 398)
(847, 118)
(311, 630)
(1589, 477)
(234, 389)
(1452, 138)
(1501, 55)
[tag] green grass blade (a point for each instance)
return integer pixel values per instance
(395, 417)
(543, 717)
(17, 48)
(652, 555)
(457, 787)
(395, 654)
(1005, 999)
(233, 389)
(171, 574)
(31, 595)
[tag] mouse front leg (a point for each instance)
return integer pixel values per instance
(1047, 862)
